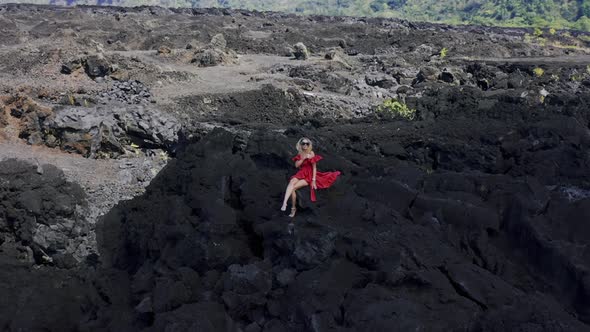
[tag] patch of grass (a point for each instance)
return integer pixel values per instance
(395, 108)
(537, 32)
(552, 31)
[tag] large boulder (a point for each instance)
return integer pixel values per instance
(218, 42)
(427, 73)
(100, 131)
(96, 66)
(300, 51)
(40, 218)
(382, 81)
(216, 53)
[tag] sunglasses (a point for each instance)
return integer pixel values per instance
(305, 143)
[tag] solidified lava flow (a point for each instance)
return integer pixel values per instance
(144, 154)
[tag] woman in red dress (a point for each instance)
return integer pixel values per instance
(306, 161)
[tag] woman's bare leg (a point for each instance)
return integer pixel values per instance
(298, 185)
(294, 198)
(293, 203)
(288, 193)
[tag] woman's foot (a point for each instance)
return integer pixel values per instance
(284, 207)
(293, 210)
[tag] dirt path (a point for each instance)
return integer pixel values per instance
(218, 79)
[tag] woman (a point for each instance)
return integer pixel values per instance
(306, 161)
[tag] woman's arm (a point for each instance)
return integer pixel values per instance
(300, 161)
(313, 183)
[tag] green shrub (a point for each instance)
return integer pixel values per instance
(443, 52)
(583, 23)
(538, 72)
(575, 77)
(537, 32)
(395, 108)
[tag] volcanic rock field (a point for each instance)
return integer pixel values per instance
(144, 154)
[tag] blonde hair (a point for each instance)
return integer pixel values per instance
(298, 145)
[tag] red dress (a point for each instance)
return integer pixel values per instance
(322, 179)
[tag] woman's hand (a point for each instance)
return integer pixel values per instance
(313, 184)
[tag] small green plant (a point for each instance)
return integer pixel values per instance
(164, 155)
(552, 31)
(538, 72)
(395, 108)
(443, 52)
(538, 32)
(588, 69)
(135, 149)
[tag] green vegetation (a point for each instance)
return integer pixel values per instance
(542, 14)
(538, 72)
(576, 77)
(396, 109)
(443, 53)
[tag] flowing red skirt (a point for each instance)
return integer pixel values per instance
(323, 180)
